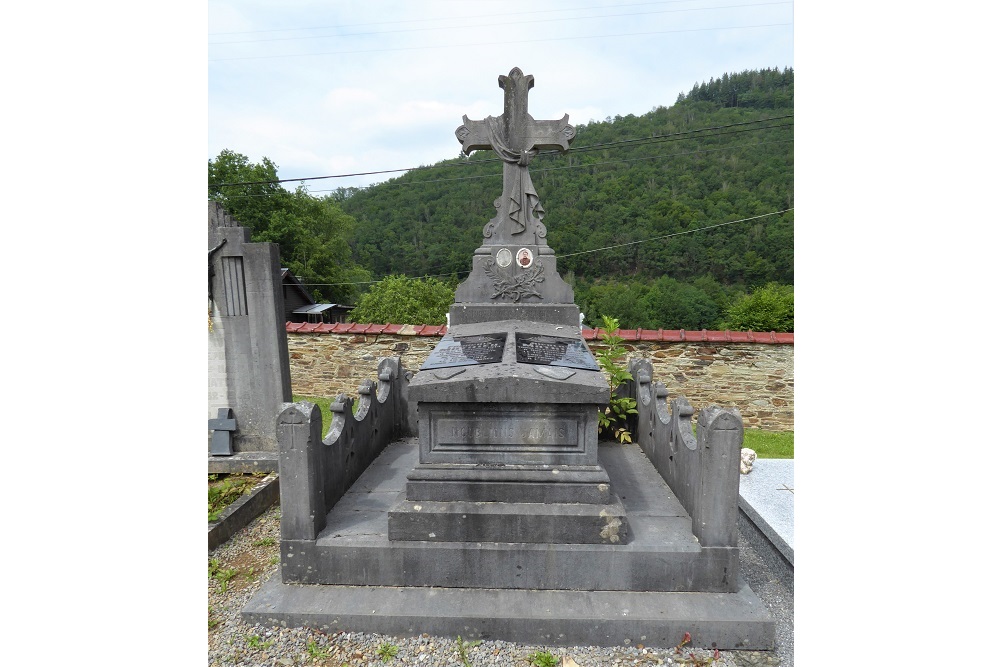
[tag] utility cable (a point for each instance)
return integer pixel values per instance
(505, 42)
(561, 20)
(653, 139)
(537, 171)
(582, 252)
(480, 16)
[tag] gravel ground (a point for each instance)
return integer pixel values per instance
(251, 556)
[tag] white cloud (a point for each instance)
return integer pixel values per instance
(398, 103)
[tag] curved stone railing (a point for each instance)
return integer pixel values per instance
(704, 470)
(317, 471)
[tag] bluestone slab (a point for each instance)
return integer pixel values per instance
(243, 462)
(555, 618)
(767, 497)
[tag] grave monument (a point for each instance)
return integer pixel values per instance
(248, 374)
(508, 401)
(506, 519)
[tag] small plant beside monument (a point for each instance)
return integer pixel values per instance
(612, 419)
(543, 659)
(387, 651)
(463, 649)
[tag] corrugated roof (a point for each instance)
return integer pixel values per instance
(313, 309)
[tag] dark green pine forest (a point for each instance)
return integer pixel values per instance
(722, 152)
(636, 212)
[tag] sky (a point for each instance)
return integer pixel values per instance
(325, 88)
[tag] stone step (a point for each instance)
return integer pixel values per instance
(725, 621)
(541, 523)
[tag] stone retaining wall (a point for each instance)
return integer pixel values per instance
(750, 371)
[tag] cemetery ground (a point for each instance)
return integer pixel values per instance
(238, 567)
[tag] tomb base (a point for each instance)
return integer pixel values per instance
(730, 621)
(651, 590)
(508, 441)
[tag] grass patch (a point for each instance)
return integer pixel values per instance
(324, 408)
(224, 490)
(770, 444)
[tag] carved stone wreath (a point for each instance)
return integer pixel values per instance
(517, 286)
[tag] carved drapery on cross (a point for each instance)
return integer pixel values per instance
(516, 138)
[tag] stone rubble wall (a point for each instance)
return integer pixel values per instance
(708, 369)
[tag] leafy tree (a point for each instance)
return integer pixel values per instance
(313, 235)
(401, 300)
(665, 303)
(674, 305)
(251, 205)
(767, 308)
(620, 301)
(636, 203)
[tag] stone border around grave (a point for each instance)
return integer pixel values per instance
(243, 462)
(247, 508)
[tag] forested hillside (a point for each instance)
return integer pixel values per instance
(623, 206)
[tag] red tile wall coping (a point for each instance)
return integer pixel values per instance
(667, 335)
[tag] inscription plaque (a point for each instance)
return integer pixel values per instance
(467, 351)
(510, 433)
(554, 351)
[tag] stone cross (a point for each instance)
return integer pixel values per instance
(222, 427)
(516, 138)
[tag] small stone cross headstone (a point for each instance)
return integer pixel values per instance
(222, 428)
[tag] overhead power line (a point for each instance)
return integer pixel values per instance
(560, 19)
(479, 16)
(548, 169)
(582, 252)
(505, 42)
(653, 139)
(666, 236)
(498, 174)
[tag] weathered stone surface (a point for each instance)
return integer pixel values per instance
(248, 350)
(520, 522)
(544, 617)
(514, 271)
(490, 428)
(318, 471)
(661, 554)
(702, 470)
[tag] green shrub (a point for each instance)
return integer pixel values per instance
(402, 300)
(768, 308)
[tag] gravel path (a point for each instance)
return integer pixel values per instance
(251, 556)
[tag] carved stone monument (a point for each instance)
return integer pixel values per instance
(508, 401)
(507, 519)
(248, 374)
(514, 271)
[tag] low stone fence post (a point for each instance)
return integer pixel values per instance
(303, 503)
(703, 471)
(316, 471)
